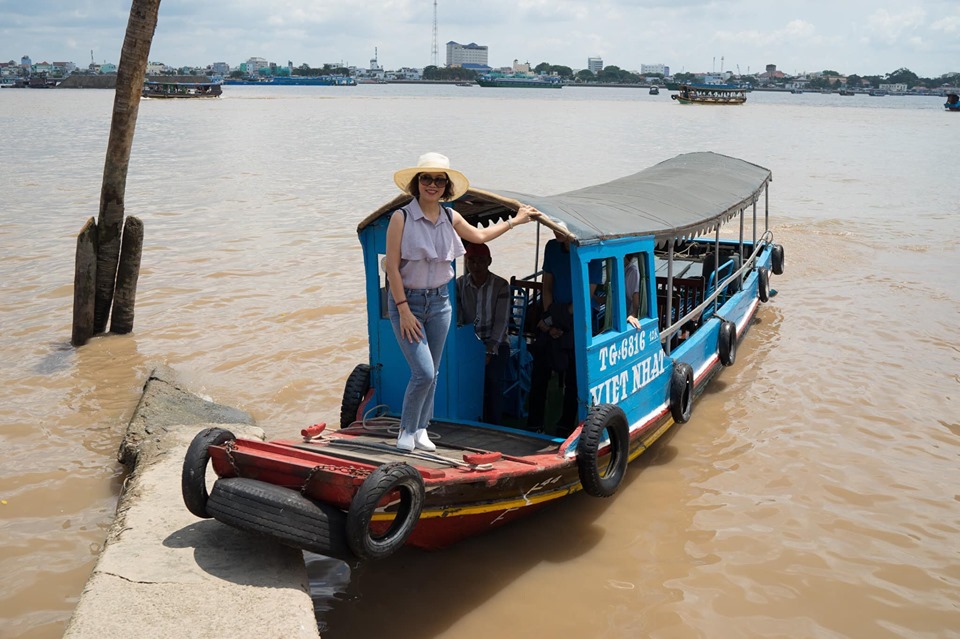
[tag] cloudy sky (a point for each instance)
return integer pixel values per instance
(849, 36)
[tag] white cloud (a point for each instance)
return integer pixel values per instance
(891, 28)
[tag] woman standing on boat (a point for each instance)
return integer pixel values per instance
(423, 240)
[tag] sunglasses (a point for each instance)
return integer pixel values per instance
(427, 180)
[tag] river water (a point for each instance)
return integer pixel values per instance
(814, 493)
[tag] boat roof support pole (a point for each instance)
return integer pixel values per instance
(754, 223)
(536, 255)
(669, 290)
(766, 208)
(740, 280)
(716, 267)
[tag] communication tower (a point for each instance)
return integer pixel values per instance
(434, 56)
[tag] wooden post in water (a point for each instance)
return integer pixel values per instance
(84, 284)
(128, 272)
(130, 75)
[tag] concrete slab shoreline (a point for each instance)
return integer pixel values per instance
(165, 573)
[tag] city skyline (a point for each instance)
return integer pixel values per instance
(867, 38)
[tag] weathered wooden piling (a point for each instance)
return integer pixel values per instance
(128, 272)
(84, 283)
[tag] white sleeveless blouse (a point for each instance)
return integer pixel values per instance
(427, 250)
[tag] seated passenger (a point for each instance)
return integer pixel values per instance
(553, 350)
(632, 285)
(484, 301)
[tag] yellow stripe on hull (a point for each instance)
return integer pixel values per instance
(523, 502)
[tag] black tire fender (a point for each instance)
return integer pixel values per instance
(776, 259)
(397, 476)
(727, 343)
(280, 513)
(358, 383)
(763, 284)
(681, 392)
(193, 478)
(597, 481)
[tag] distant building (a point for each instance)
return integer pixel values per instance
(461, 54)
(62, 69)
(521, 67)
(253, 66)
(595, 65)
(220, 68)
(650, 69)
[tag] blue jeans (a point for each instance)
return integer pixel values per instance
(432, 309)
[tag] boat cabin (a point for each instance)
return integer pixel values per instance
(665, 222)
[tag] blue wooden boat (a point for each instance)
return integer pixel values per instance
(349, 492)
(952, 103)
(520, 81)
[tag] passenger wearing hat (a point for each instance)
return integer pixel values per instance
(484, 301)
(423, 240)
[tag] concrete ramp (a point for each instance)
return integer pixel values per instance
(165, 573)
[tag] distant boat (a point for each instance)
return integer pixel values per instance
(159, 89)
(654, 91)
(796, 90)
(710, 94)
(877, 92)
(520, 81)
(299, 80)
(845, 92)
(466, 84)
(952, 103)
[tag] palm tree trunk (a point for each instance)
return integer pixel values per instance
(130, 75)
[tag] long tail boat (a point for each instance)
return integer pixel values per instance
(347, 491)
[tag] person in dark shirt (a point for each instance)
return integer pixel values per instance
(484, 301)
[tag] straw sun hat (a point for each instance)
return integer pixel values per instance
(433, 163)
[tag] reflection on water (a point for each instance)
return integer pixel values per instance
(821, 468)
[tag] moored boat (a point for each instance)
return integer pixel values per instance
(709, 94)
(160, 89)
(654, 91)
(520, 81)
(350, 492)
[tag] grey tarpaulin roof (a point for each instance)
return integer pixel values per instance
(684, 196)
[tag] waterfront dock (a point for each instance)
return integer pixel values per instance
(163, 572)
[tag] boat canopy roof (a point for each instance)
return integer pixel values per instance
(685, 196)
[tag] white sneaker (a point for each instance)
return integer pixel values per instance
(423, 442)
(405, 441)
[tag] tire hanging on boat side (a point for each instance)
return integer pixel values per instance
(727, 343)
(776, 259)
(393, 477)
(193, 477)
(763, 284)
(612, 420)
(282, 514)
(358, 383)
(681, 392)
